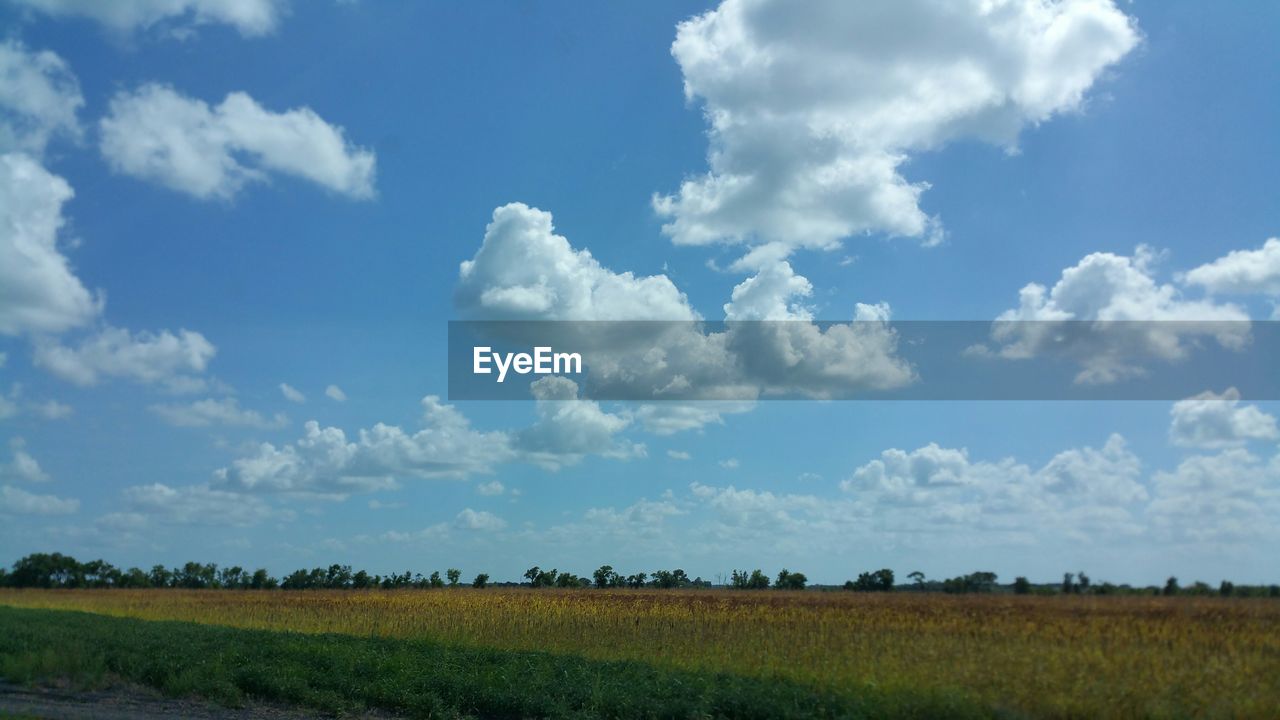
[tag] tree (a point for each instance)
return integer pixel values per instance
(635, 582)
(918, 578)
(605, 577)
(1068, 583)
(1226, 588)
(435, 580)
(1171, 586)
(788, 580)
(481, 581)
(754, 581)
(878, 581)
(454, 575)
(1021, 586)
(1083, 582)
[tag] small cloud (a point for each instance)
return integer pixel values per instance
(470, 519)
(52, 410)
(679, 455)
(379, 505)
(291, 393)
(729, 464)
(491, 488)
(335, 393)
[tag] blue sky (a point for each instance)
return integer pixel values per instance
(1157, 129)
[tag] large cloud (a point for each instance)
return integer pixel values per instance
(39, 98)
(1230, 497)
(1241, 271)
(324, 460)
(16, 501)
(39, 293)
(1108, 312)
(157, 134)
(250, 17)
(524, 271)
(568, 428)
(172, 360)
(1209, 420)
(812, 114)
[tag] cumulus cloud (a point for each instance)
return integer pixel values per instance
(811, 115)
(174, 361)
(1241, 272)
(524, 271)
(1228, 497)
(325, 461)
(157, 134)
(249, 17)
(16, 501)
(1098, 484)
(39, 98)
(196, 505)
(1108, 312)
(210, 411)
(493, 487)
(39, 293)
(1213, 421)
(480, 520)
(52, 410)
(333, 392)
(679, 455)
(568, 428)
(291, 393)
(23, 467)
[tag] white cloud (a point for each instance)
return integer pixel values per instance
(730, 463)
(811, 115)
(39, 98)
(157, 134)
(333, 392)
(1077, 485)
(23, 466)
(1215, 421)
(52, 410)
(210, 411)
(249, 17)
(39, 293)
(1228, 497)
(1241, 271)
(174, 361)
(669, 418)
(196, 505)
(1147, 319)
(16, 501)
(679, 455)
(491, 488)
(568, 429)
(325, 461)
(291, 393)
(481, 520)
(524, 271)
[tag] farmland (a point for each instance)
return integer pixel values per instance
(1041, 656)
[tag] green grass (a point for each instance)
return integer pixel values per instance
(339, 673)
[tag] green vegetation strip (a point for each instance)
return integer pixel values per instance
(338, 673)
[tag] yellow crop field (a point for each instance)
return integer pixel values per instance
(1056, 656)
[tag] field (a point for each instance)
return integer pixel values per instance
(1083, 656)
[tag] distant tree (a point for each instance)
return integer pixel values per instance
(435, 580)
(481, 581)
(788, 580)
(669, 579)
(1227, 588)
(604, 577)
(1171, 586)
(637, 581)
(261, 580)
(454, 576)
(1273, 591)
(1021, 586)
(879, 581)
(1068, 583)
(1082, 582)
(975, 582)
(756, 580)
(917, 577)
(160, 576)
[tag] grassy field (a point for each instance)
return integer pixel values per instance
(1040, 656)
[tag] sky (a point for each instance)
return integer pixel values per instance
(232, 235)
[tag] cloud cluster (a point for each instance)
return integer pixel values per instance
(158, 134)
(220, 411)
(1108, 313)
(39, 98)
(174, 361)
(811, 115)
(1241, 272)
(249, 17)
(1213, 421)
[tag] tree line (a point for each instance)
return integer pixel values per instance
(55, 570)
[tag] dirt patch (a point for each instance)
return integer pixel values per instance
(124, 702)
